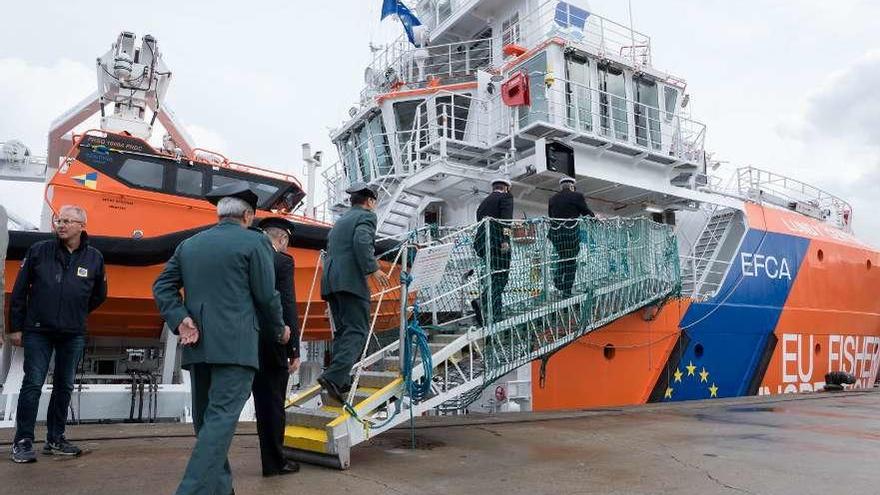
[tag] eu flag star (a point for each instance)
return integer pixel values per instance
(713, 391)
(704, 376)
(678, 374)
(691, 368)
(668, 394)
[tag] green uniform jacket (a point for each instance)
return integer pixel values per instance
(350, 254)
(228, 275)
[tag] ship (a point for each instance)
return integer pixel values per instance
(767, 292)
(687, 286)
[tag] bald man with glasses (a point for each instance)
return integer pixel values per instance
(60, 282)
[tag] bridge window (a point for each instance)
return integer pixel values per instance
(510, 34)
(405, 115)
(189, 181)
(577, 93)
(142, 173)
(536, 69)
(670, 99)
(455, 108)
(612, 102)
(265, 190)
(569, 16)
(365, 151)
(647, 113)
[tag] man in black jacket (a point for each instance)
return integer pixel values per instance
(564, 235)
(277, 361)
(60, 282)
(497, 206)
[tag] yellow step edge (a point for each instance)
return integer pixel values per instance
(304, 438)
(366, 402)
(333, 409)
(303, 395)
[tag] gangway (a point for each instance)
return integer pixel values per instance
(617, 266)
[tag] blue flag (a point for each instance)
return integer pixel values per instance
(407, 18)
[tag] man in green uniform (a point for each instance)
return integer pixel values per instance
(228, 275)
(350, 261)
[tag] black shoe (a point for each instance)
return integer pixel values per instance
(290, 467)
(332, 390)
(478, 312)
(23, 451)
(61, 447)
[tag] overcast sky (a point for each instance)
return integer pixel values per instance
(792, 86)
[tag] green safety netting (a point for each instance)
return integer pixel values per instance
(537, 285)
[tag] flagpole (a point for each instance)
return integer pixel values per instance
(632, 34)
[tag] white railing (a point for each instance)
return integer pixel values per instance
(401, 63)
(572, 23)
(441, 118)
(613, 118)
(16, 162)
(433, 13)
(756, 184)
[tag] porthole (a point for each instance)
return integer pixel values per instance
(821, 255)
(817, 348)
(868, 264)
(609, 351)
(698, 350)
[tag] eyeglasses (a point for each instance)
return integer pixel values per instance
(65, 221)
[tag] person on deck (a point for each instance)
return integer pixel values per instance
(277, 361)
(498, 205)
(564, 235)
(350, 261)
(228, 275)
(60, 282)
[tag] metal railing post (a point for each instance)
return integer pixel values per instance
(404, 298)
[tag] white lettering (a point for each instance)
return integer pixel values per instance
(805, 377)
(783, 270)
(746, 265)
(774, 271)
(789, 357)
(849, 345)
(832, 355)
(753, 265)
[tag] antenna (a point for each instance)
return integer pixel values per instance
(632, 32)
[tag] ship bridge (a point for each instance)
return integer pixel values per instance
(434, 127)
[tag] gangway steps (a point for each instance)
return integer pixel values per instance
(640, 267)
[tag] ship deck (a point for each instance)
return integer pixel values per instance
(807, 444)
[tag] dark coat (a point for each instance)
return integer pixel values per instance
(56, 290)
(273, 354)
(228, 275)
(497, 205)
(566, 204)
(350, 257)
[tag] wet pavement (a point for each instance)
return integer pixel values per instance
(810, 444)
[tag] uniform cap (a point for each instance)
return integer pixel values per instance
(238, 189)
(278, 223)
(362, 188)
(566, 180)
(501, 180)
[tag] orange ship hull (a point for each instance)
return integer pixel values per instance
(799, 301)
(108, 175)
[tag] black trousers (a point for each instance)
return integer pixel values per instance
(500, 275)
(269, 388)
(566, 268)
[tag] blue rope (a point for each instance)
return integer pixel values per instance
(415, 337)
(417, 341)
